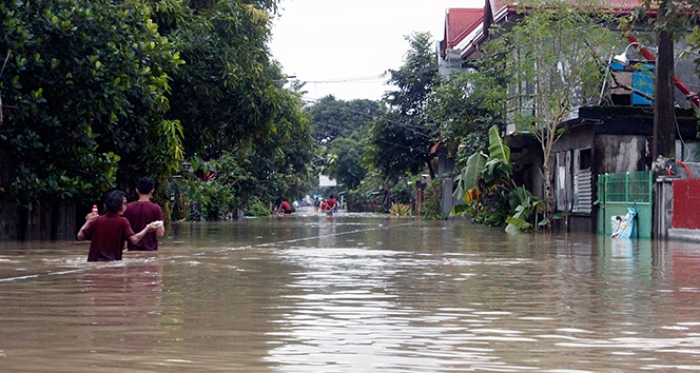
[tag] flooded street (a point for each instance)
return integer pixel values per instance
(352, 293)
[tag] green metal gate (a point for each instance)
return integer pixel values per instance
(617, 192)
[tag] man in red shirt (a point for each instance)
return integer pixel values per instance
(109, 232)
(284, 207)
(142, 212)
(331, 204)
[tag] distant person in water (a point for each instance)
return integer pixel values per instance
(331, 205)
(283, 207)
(142, 212)
(109, 232)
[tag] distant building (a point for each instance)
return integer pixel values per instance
(325, 181)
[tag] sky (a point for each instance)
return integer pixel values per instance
(342, 47)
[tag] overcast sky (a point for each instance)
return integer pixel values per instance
(340, 47)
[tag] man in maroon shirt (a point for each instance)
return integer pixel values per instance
(331, 204)
(142, 212)
(109, 232)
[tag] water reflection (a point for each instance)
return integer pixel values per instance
(353, 293)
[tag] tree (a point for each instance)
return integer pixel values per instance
(466, 105)
(230, 97)
(226, 94)
(332, 118)
(346, 166)
(86, 82)
(400, 140)
(553, 70)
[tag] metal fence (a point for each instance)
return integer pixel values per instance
(618, 192)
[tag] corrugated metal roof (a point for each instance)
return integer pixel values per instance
(622, 6)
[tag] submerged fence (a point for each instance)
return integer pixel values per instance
(618, 192)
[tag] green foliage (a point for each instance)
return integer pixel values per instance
(491, 211)
(332, 118)
(257, 208)
(405, 190)
(489, 193)
(674, 17)
(214, 199)
(399, 209)
(468, 179)
(400, 141)
(430, 208)
(99, 93)
(226, 91)
(468, 104)
(87, 85)
(345, 164)
(340, 129)
(526, 208)
(483, 172)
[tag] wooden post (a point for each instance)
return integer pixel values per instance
(419, 197)
(664, 144)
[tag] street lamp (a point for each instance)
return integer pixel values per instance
(622, 57)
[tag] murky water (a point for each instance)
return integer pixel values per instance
(352, 293)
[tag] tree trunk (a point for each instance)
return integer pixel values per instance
(548, 196)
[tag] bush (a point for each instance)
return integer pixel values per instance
(430, 208)
(214, 200)
(403, 192)
(256, 208)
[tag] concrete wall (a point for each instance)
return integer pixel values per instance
(446, 200)
(620, 153)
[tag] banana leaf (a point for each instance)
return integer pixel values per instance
(497, 148)
(470, 175)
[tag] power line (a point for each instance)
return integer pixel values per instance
(346, 80)
(415, 128)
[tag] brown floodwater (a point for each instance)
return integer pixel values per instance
(352, 293)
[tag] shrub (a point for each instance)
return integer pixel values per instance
(430, 208)
(256, 208)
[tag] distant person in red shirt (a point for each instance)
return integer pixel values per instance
(109, 232)
(142, 212)
(284, 207)
(331, 204)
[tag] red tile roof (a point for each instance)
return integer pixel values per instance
(459, 22)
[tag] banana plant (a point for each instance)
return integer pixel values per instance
(526, 207)
(489, 175)
(483, 171)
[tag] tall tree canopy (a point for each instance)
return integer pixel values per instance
(332, 118)
(400, 141)
(84, 91)
(465, 106)
(225, 95)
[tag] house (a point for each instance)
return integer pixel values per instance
(462, 25)
(614, 136)
(608, 140)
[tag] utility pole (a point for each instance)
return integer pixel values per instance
(664, 143)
